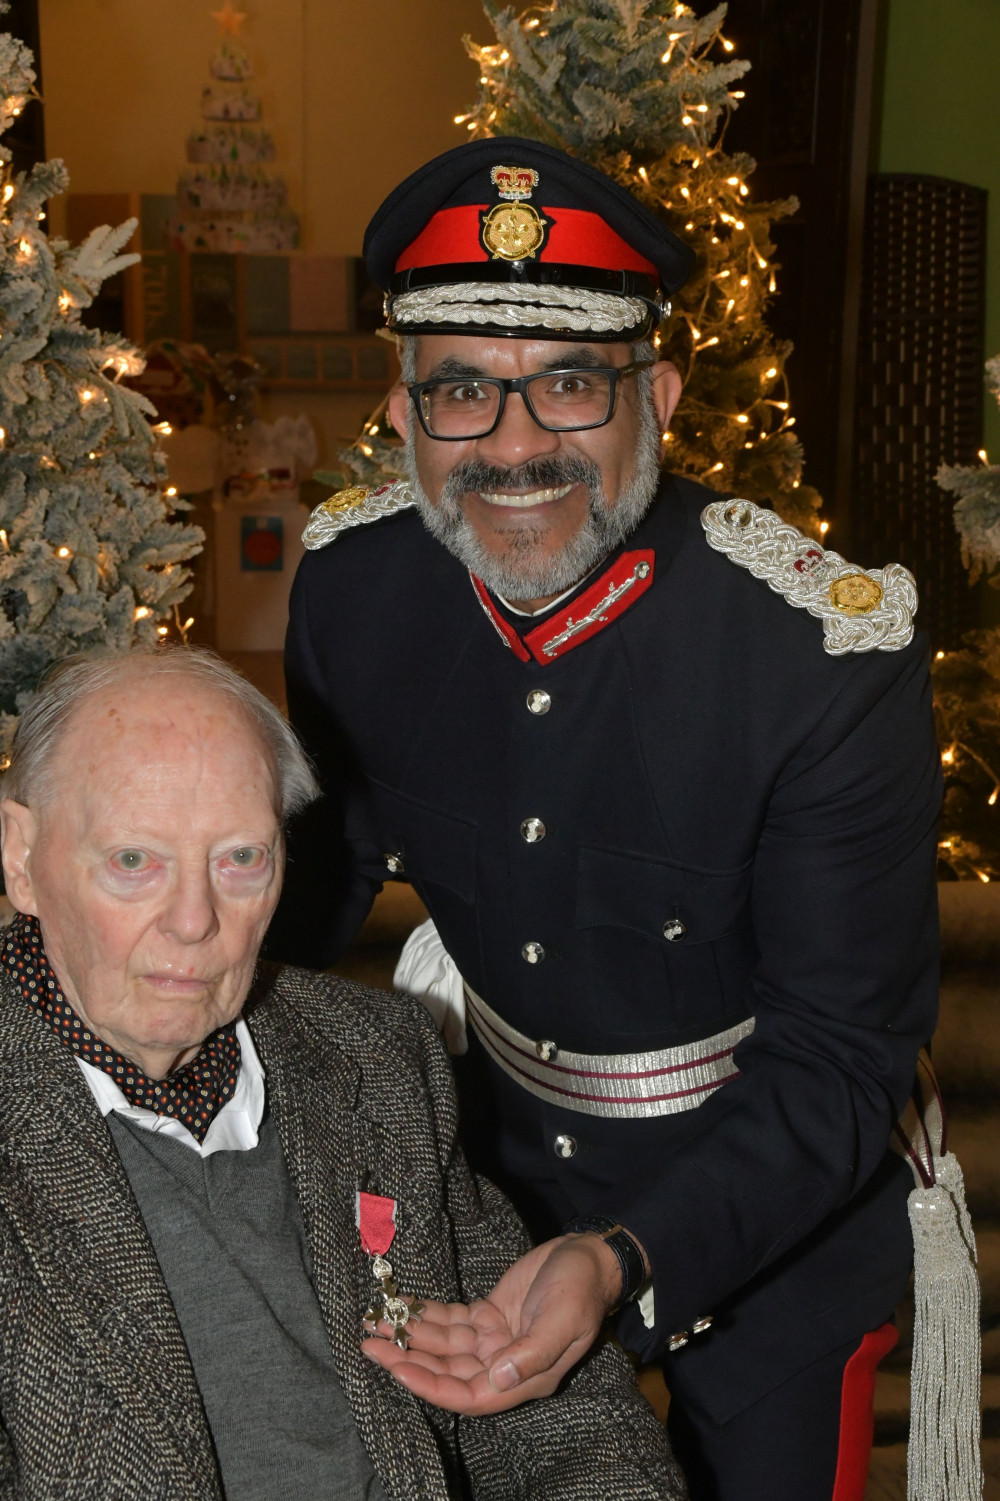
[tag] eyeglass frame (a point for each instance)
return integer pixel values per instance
(518, 383)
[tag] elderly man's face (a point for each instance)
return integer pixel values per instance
(528, 509)
(155, 867)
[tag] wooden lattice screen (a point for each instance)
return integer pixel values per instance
(920, 385)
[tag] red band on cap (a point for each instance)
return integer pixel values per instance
(576, 238)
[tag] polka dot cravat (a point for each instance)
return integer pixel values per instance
(193, 1094)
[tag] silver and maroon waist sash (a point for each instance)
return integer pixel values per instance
(618, 1085)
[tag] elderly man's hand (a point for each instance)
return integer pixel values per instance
(518, 1343)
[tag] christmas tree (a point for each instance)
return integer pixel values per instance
(89, 557)
(967, 682)
(642, 89)
(227, 199)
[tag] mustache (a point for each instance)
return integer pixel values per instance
(536, 474)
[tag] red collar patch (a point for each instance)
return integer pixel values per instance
(608, 597)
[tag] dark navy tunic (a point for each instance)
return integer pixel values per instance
(702, 759)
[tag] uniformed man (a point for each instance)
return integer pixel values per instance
(663, 771)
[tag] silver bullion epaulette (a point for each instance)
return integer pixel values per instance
(355, 507)
(862, 609)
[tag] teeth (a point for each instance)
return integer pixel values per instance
(531, 498)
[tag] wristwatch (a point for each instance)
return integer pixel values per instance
(630, 1258)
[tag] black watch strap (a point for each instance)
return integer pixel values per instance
(630, 1259)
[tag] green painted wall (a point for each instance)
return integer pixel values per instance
(941, 114)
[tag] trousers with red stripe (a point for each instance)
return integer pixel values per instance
(808, 1440)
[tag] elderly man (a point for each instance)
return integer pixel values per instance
(210, 1176)
(663, 771)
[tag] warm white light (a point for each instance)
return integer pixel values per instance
(25, 247)
(171, 489)
(143, 612)
(726, 43)
(770, 374)
(164, 429)
(65, 302)
(366, 450)
(8, 192)
(162, 630)
(63, 552)
(983, 456)
(686, 120)
(938, 656)
(716, 467)
(948, 756)
(742, 417)
(87, 394)
(824, 527)
(993, 796)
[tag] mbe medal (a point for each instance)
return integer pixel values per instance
(376, 1217)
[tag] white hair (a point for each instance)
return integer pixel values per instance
(64, 689)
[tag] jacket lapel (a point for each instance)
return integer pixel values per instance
(336, 1142)
(65, 1194)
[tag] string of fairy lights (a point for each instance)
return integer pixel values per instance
(111, 364)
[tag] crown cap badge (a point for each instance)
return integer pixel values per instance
(514, 183)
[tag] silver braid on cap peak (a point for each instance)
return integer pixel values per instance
(572, 309)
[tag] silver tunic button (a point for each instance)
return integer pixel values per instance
(546, 1051)
(532, 830)
(700, 1325)
(674, 930)
(533, 953)
(394, 864)
(642, 571)
(564, 1146)
(539, 702)
(679, 1340)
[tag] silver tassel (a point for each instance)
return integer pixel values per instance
(943, 1455)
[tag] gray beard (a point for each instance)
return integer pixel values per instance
(517, 573)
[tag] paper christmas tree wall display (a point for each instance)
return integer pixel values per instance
(227, 199)
(90, 557)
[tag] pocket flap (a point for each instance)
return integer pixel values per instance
(616, 889)
(435, 845)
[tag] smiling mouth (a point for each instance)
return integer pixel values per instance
(524, 498)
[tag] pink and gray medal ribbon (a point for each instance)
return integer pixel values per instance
(376, 1219)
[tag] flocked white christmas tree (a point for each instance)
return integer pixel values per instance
(90, 558)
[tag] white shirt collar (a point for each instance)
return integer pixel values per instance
(233, 1129)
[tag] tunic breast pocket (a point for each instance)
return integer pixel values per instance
(425, 844)
(668, 949)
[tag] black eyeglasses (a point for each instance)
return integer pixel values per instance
(451, 407)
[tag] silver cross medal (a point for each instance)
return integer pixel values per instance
(386, 1305)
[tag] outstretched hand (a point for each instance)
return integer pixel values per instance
(518, 1343)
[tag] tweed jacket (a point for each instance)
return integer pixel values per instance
(98, 1400)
